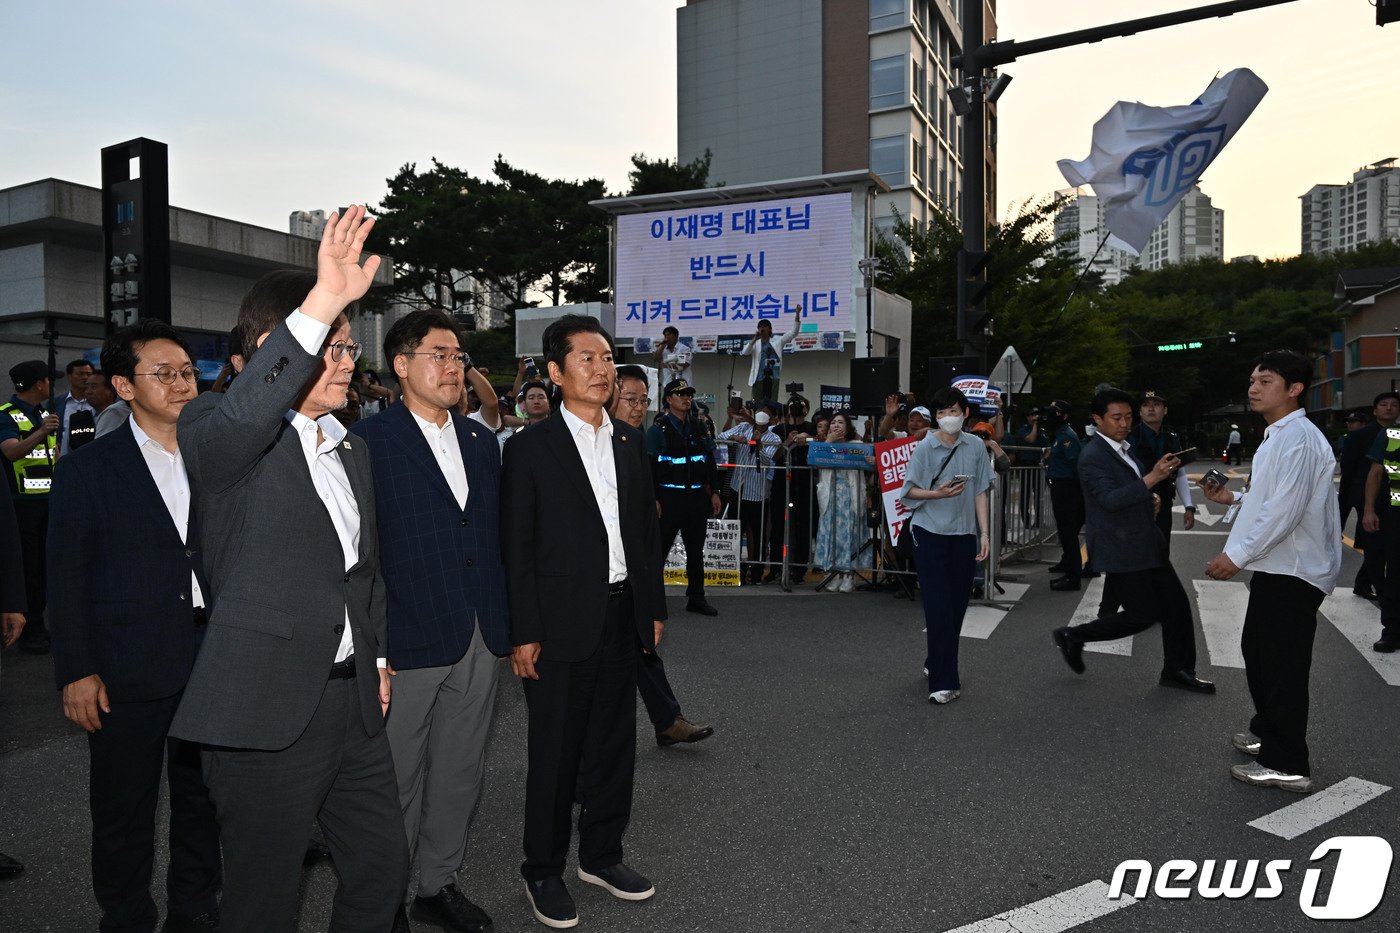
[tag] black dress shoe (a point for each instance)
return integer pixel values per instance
(9, 867)
(550, 901)
(1057, 568)
(182, 923)
(1365, 592)
(1186, 680)
(401, 924)
(619, 881)
(1387, 644)
(683, 730)
(702, 606)
(1072, 648)
(1065, 583)
(449, 908)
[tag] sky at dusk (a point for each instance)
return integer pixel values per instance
(274, 107)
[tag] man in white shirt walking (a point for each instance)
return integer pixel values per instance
(1286, 533)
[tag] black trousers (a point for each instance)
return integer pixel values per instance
(1067, 502)
(1149, 597)
(686, 514)
(1277, 644)
(126, 757)
(1110, 604)
(334, 774)
(582, 743)
(655, 690)
(752, 523)
(1384, 574)
(796, 499)
(32, 515)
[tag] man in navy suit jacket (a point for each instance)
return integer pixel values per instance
(436, 488)
(127, 601)
(1126, 545)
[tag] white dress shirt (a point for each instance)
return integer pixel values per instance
(1288, 519)
(1121, 448)
(596, 451)
(168, 471)
(442, 441)
(327, 472)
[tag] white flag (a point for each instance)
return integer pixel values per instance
(1144, 159)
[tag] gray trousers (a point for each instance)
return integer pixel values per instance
(437, 729)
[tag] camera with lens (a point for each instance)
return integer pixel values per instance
(793, 388)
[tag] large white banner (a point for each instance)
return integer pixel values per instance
(721, 269)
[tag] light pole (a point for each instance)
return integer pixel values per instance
(867, 267)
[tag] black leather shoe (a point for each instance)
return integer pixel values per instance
(1065, 583)
(450, 909)
(1072, 648)
(1365, 592)
(550, 901)
(1186, 680)
(180, 923)
(1057, 568)
(683, 730)
(701, 606)
(9, 867)
(401, 924)
(620, 881)
(1387, 644)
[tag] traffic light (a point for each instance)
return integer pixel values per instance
(972, 290)
(1387, 11)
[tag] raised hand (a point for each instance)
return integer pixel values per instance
(340, 279)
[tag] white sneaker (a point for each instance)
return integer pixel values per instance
(1246, 742)
(1260, 776)
(848, 583)
(944, 696)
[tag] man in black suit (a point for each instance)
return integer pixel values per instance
(291, 685)
(579, 534)
(127, 614)
(437, 491)
(1127, 546)
(12, 608)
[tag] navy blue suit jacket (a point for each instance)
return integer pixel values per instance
(1121, 532)
(441, 563)
(119, 575)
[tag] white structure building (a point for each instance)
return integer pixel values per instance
(1194, 229)
(1342, 217)
(785, 89)
(309, 224)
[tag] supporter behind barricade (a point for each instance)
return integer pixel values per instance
(127, 608)
(752, 445)
(945, 488)
(533, 400)
(791, 525)
(841, 527)
(29, 442)
(1031, 435)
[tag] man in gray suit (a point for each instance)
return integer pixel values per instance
(289, 691)
(1126, 545)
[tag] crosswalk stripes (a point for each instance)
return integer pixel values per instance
(1053, 914)
(1360, 624)
(1323, 807)
(981, 621)
(1222, 604)
(1088, 610)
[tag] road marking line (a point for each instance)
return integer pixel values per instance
(1360, 624)
(1222, 606)
(1088, 611)
(981, 621)
(1323, 807)
(1053, 914)
(1204, 516)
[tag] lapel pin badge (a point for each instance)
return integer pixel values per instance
(346, 444)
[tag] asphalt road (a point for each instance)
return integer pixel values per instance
(835, 797)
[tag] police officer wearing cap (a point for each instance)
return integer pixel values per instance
(687, 480)
(1151, 440)
(29, 441)
(1066, 497)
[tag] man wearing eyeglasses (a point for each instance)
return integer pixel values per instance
(127, 606)
(436, 485)
(290, 688)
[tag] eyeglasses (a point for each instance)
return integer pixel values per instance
(443, 358)
(166, 376)
(342, 347)
(636, 401)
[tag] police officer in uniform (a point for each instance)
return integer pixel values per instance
(683, 466)
(1066, 497)
(1150, 440)
(29, 441)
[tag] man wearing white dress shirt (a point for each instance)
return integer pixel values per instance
(1286, 533)
(127, 613)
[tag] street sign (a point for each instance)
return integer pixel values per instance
(1010, 370)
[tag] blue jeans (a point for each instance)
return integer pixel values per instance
(945, 564)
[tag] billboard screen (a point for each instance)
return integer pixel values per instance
(720, 269)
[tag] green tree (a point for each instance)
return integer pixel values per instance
(661, 176)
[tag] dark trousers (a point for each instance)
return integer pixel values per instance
(655, 689)
(686, 514)
(1385, 573)
(1235, 454)
(32, 515)
(1110, 602)
(945, 564)
(1277, 644)
(752, 524)
(1067, 502)
(126, 757)
(792, 513)
(582, 742)
(1031, 481)
(1149, 597)
(334, 774)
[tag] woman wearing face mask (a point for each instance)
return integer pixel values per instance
(946, 490)
(841, 498)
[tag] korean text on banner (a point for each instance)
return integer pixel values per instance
(721, 555)
(892, 465)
